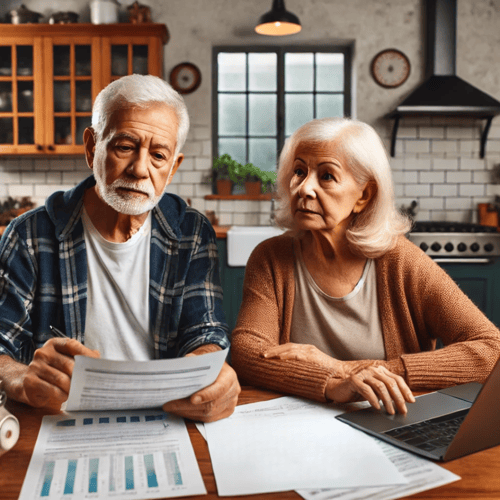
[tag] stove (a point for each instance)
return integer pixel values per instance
(457, 242)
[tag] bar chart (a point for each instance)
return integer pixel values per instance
(113, 455)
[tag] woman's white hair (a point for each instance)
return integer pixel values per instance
(139, 91)
(373, 231)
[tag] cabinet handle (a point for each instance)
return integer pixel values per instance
(39, 147)
(51, 148)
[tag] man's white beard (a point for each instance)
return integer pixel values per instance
(123, 202)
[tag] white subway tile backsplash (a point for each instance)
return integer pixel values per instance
(456, 203)
(445, 164)
(416, 190)
(45, 191)
(32, 178)
(417, 164)
(444, 190)
(431, 177)
(206, 148)
(73, 177)
(422, 146)
(203, 164)
(190, 177)
(492, 190)
(62, 164)
(471, 189)
(9, 177)
(460, 132)
(481, 177)
(431, 132)
(185, 190)
(472, 164)
(444, 147)
(225, 219)
(407, 132)
(460, 177)
(431, 203)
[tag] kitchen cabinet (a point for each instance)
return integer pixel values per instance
(51, 74)
(480, 282)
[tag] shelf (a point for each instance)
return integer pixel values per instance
(260, 197)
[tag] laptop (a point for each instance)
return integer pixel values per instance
(442, 425)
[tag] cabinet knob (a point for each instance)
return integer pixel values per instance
(39, 147)
(51, 148)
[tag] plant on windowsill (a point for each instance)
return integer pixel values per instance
(256, 180)
(225, 173)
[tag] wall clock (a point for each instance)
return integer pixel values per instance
(185, 78)
(390, 68)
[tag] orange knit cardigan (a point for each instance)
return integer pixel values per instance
(418, 303)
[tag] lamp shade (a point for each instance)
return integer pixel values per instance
(278, 21)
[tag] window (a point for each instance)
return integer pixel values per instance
(260, 96)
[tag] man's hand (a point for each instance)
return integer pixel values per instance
(47, 380)
(212, 403)
(374, 383)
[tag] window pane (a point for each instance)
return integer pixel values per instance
(262, 114)
(262, 153)
(61, 60)
(82, 122)
(25, 97)
(232, 114)
(24, 60)
(298, 110)
(329, 72)
(234, 147)
(5, 61)
(6, 131)
(299, 72)
(62, 128)
(62, 97)
(328, 105)
(6, 97)
(119, 60)
(140, 59)
(26, 131)
(232, 71)
(83, 96)
(83, 62)
(262, 69)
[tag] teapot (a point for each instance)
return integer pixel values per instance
(23, 15)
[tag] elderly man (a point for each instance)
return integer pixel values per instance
(125, 270)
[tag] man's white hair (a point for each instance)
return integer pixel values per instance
(139, 91)
(373, 231)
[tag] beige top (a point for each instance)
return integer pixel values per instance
(346, 328)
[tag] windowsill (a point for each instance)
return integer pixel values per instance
(259, 197)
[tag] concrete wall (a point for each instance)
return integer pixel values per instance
(437, 162)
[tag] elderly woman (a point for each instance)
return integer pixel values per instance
(342, 306)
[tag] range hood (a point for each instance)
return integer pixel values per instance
(444, 93)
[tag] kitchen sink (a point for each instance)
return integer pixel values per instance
(241, 240)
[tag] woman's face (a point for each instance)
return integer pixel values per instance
(324, 194)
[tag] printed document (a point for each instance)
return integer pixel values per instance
(103, 455)
(422, 475)
(289, 444)
(103, 384)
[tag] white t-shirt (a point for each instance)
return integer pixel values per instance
(117, 321)
(346, 328)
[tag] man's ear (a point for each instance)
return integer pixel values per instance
(89, 144)
(176, 165)
(369, 192)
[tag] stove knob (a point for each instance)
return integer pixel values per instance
(435, 247)
(461, 247)
(489, 247)
(474, 247)
(424, 246)
(449, 247)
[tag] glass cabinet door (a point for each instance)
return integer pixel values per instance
(125, 56)
(18, 88)
(72, 88)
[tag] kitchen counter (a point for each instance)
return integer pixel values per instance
(221, 231)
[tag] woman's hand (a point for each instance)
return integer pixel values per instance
(309, 354)
(374, 383)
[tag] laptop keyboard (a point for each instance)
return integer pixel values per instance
(430, 434)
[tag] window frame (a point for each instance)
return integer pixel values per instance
(346, 50)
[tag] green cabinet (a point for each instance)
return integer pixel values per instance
(481, 282)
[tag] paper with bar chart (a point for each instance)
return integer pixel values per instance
(103, 384)
(127, 454)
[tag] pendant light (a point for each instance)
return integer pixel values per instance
(278, 21)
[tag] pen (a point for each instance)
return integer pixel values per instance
(56, 332)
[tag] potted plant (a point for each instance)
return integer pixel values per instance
(225, 169)
(256, 180)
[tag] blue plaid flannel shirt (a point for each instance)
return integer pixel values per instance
(43, 277)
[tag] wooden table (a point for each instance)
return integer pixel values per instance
(480, 472)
